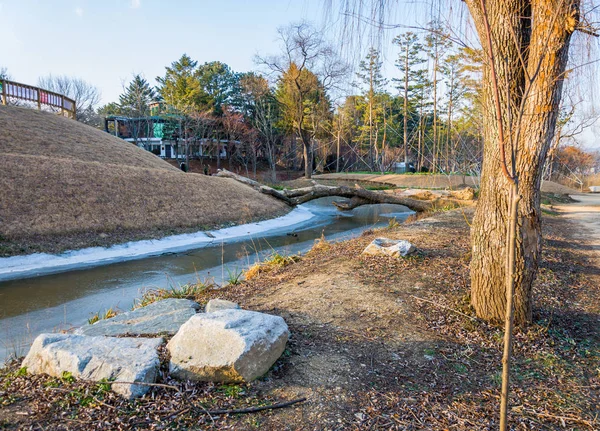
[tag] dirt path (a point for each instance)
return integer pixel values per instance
(585, 213)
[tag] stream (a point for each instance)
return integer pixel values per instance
(60, 301)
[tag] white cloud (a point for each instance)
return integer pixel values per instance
(135, 4)
(78, 11)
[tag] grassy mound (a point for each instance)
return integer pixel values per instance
(66, 185)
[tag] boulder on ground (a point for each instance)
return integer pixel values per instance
(227, 346)
(464, 194)
(97, 358)
(161, 317)
(389, 247)
(220, 304)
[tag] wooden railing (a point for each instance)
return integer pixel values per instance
(39, 96)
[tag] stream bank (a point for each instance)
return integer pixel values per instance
(63, 300)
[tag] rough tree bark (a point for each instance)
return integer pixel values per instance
(531, 41)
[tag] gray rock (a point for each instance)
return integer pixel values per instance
(389, 247)
(161, 317)
(97, 358)
(227, 346)
(220, 304)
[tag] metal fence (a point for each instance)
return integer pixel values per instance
(39, 96)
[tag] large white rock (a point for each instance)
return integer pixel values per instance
(160, 317)
(389, 247)
(227, 346)
(220, 304)
(97, 358)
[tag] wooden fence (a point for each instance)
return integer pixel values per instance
(39, 96)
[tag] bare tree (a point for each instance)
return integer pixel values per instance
(305, 52)
(4, 75)
(86, 96)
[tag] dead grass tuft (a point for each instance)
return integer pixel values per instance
(110, 313)
(275, 261)
(321, 244)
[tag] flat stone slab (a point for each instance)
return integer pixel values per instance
(227, 346)
(97, 358)
(389, 247)
(159, 318)
(220, 304)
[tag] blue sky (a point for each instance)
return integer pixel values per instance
(105, 42)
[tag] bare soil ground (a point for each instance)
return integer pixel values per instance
(376, 344)
(65, 185)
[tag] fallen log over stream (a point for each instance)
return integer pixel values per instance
(358, 196)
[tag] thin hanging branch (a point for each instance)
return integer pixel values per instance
(513, 202)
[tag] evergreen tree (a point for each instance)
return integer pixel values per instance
(411, 79)
(137, 97)
(220, 84)
(371, 77)
(436, 45)
(180, 87)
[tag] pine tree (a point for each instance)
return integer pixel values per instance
(436, 45)
(372, 78)
(137, 97)
(220, 84)
(408, 61)
(180, 87)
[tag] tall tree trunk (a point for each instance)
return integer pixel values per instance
(218, 152)
(530, 40)
(371, 118)
(307, 161)
(337, 152)
(405, 110)
(449, 132)
(421, 152)
(434, 164)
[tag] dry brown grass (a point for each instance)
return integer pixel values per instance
(66, 185)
